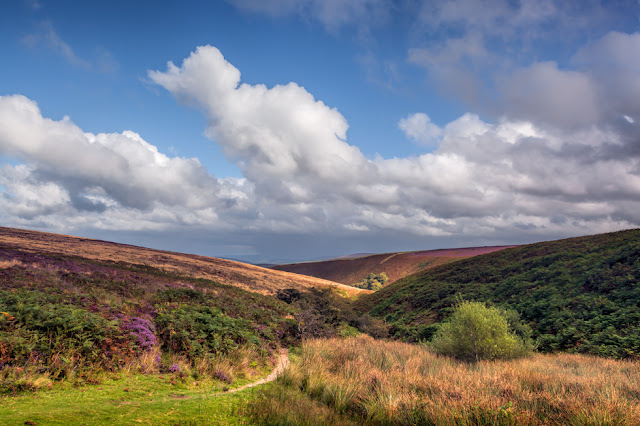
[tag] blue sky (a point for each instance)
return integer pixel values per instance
(300, 129)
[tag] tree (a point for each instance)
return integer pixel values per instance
(373, 281)
(475, 331)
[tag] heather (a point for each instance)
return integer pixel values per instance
(66, 317)
(366, 381)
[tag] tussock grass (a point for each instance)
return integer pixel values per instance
(375, 382)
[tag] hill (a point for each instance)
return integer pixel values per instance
(247, 277)
(72, 309)
(579, 294)
(350, 270)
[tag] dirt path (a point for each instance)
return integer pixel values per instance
(283, 362)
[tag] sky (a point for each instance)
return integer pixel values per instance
(288, 130)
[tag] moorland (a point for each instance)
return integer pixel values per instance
(94, 332)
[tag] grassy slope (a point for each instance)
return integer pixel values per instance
(395, 265)
(365, 381)
(579, 294)
(247, 277)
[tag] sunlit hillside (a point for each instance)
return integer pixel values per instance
(395, 265)
(248, 277)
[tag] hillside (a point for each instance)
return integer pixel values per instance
(396, 265)
(73, 309)
(579, 294)
(247, 277)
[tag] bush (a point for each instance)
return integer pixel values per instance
(475, 331)
(373, 281)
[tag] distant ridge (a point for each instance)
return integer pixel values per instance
(248, 277)
(353, 268)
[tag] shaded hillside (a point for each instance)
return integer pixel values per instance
(245, 276)
(579, 294)
(395, 265)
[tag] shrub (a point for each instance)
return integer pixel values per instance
(373, 281)
(475, 331)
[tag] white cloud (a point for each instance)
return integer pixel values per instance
(293, 150)
(419, 128)
(515, 177)
(544, 93)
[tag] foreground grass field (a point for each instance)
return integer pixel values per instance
(366, 381)
(145, 399)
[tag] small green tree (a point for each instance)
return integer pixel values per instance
(373, 281)
(475, 331)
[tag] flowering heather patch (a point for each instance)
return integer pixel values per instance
(222, 376)
(70, 317)
(143, 331)
(175, 368)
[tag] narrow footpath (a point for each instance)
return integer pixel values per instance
(283, 362)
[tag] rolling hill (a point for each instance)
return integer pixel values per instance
(72, 309)
(350, 270)
(578, 294)
(247, 277)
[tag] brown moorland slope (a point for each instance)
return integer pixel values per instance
(245, 276)
(395, 265)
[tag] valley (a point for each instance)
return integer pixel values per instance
(99, 331)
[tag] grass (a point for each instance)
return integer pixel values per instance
(365, 381)
(130, 399)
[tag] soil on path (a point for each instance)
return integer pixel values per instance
(283, 362)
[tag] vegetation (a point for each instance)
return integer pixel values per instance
(373, 281)
(323, 313)
(128, 399)
(138, 342)
(70, 318)
(474, 332)
(367, 381)
(577, 295)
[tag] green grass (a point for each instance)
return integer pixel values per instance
(145, 399)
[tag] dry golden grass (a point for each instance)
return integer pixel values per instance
(245, 276)
(376, 382)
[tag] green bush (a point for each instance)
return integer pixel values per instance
(373, 281)
(475, 332)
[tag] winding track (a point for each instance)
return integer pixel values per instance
(283, 362)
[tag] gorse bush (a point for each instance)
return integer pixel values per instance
(475, 332)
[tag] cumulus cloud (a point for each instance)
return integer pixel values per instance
(483, 176)
(112, 180)
(544, 93)
(419, 128)
(525, 176)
